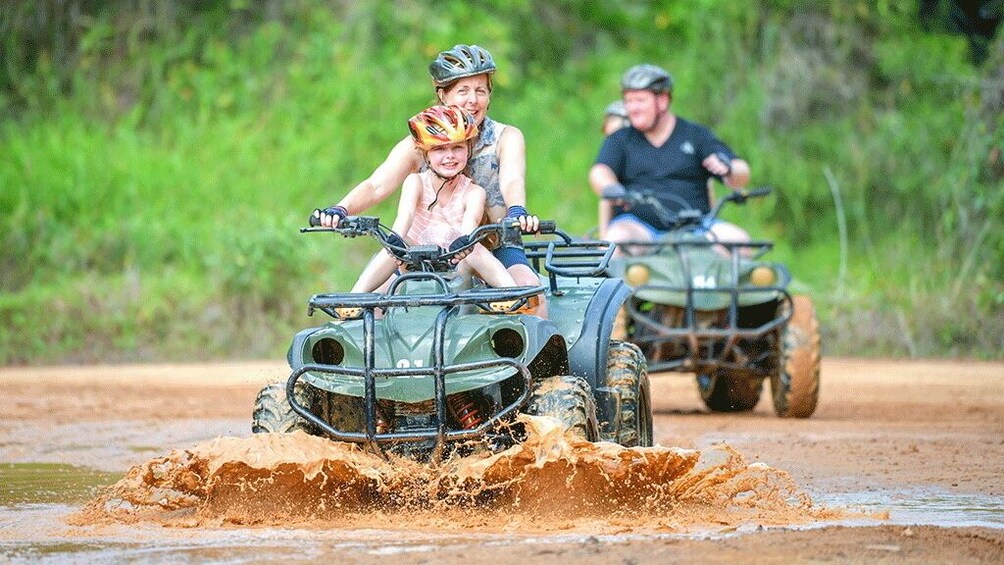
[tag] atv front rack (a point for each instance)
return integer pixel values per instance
(708, 348)
(450, 303)
(480, 297)
(759, 248)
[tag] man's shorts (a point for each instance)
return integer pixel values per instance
(654, 233)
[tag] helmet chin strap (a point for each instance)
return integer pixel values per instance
(440, 189)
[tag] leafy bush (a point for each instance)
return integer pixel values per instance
(160, 156)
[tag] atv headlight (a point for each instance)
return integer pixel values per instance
(763, 276)
(637, 274)
(328, 351)
(508, 342)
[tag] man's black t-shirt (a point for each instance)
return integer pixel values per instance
(675, 167)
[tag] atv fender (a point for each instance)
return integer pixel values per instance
(587, 357)
(296, 361)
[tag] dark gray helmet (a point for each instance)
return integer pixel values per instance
(647, 77)
(616, 108)
(459, 62)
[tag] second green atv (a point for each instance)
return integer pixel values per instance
(720, 311)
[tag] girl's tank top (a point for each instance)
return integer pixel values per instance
(441, 224)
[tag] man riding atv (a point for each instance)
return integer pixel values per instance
(661, 154)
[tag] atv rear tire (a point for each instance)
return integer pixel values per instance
(627, 381)
(273, 414)
(795, 386)
(569, 400)
(722, 391)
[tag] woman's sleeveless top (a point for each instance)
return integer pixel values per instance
(484, 164)
(441, 224)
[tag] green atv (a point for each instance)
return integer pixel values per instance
(441, 362)
(717, 310)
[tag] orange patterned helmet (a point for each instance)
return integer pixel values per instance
(442, 125)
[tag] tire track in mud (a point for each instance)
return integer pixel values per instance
(550, 482)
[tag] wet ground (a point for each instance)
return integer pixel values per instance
(901, 464)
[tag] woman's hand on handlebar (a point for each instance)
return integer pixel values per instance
(527, 222)
(328, 217)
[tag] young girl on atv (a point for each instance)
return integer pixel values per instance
(440, 205)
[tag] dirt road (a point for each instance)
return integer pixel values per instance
(915, 449)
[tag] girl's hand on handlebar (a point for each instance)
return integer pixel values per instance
(401, 250)
(460, 243)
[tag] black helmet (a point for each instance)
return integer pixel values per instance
(647, 77)
(459, 62)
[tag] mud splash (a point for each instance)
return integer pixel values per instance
(548, 483)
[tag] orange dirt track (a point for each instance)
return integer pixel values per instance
(893, 458)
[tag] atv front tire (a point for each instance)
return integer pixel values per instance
(722, 391)
(795, 386)
(273, 414)
(569, 400)
(627, 382)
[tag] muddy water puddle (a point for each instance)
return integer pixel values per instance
(926, 506)
(296, 496)
(40, 483)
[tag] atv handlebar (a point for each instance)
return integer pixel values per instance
(687, 214)
(429, 258)
(739, 197)
(545, 226)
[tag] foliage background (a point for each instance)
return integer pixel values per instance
(157, 158)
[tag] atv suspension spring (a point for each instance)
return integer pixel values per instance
(464, 408)
(384, 417)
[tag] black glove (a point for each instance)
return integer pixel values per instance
(339, 211)
(398, 242)
(461, 241)
(515, 212)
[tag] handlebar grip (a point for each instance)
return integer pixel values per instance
(762, 191)
(315, 218)
(547, 226)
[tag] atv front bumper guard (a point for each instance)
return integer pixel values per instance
(708, 348)
(450, 304)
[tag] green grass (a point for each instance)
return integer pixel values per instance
(150, 209)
